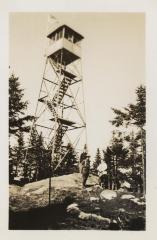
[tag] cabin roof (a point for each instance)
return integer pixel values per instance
(77, 36)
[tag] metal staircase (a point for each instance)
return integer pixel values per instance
(61, 130)
(52, 105)
(62, 90)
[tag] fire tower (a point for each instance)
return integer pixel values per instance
(60, 114)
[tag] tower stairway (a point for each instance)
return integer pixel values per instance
(52, 108)
(61, 130)
(61, 91)
(63, 125)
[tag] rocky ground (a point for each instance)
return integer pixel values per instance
(73, 207)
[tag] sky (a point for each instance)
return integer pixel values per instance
(113, 61)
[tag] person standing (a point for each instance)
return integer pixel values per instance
(83, 156)
(102, 173)
(84, 167)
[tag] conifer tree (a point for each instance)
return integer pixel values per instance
(69, 163)
(116, 158)
(71, 159)
(17, 125)
(135, 161)
(17, 108)
(108, 158)
(42, 159)
(97, 161)
(135, 114)
(11, 165)
(19, 155)
(37, 158)
(31, 155)
(85, 148)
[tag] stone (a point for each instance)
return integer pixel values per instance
(94, 199)
(36, 194)
(108, 195)
(127, 196)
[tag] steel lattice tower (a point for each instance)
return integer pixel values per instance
(60, 111)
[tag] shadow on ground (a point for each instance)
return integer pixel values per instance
(42, 218)
(56, 217)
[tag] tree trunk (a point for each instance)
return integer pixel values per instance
(143, 161)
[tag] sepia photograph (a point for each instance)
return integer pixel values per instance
(77, 121)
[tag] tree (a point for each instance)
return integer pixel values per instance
(17, 160)
(31, 153)
(17, 107)
(37, 159)
(85, 149)
(71, 160)
(42, 159)
(19, 155)
(11, 165)
(135, 114)
(115, 157)
(108, 158)
(69, 163)
(17, 126)
(97, 161)
(135, 161)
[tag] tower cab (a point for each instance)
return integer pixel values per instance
(64, 45)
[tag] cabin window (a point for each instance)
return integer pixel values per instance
(52, 39)
(60, 34)
(57, 36)
(69, 37)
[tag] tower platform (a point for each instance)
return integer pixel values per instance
(64, 121)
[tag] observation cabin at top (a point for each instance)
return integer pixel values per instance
(64, 46)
